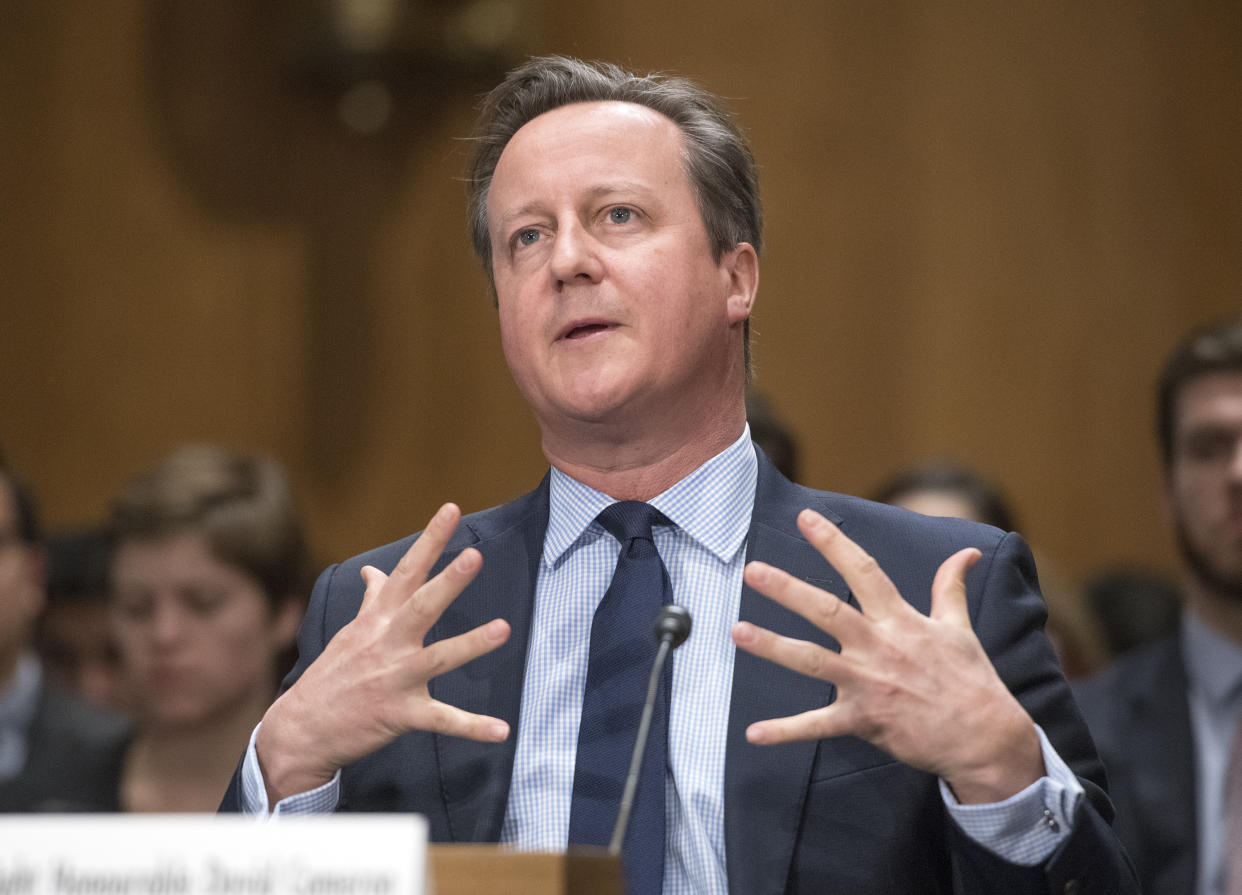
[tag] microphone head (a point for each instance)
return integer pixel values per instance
(672, 624)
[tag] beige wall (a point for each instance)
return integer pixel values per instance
(985, 228)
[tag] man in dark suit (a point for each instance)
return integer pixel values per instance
(56, 752)
(1165, 716)
(862, 737)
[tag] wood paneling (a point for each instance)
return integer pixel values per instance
(986, 226)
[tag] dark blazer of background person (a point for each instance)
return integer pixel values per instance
(833, 815)
(70, 748)
(73, 758)
(1139, 714)
(1164, 715)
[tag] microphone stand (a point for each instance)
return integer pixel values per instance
(640, 746)
(672, 627)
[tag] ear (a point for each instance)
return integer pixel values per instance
(34, 573)
(40, 565)
(742, 267)
(29, 592)
(286, 619)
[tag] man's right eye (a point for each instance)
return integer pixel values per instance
(527, 237)
(1210, 446)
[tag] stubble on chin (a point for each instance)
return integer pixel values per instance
(1222, 581)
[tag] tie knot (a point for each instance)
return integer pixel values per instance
(626, 520)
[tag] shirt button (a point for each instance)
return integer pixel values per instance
(1073, 887)
(1049, 821)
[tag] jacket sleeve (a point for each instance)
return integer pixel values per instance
(1008, 617)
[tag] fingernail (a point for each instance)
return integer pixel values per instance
(811, 519)
(498, 730)
(744, 632)
(758, 572)
(496, 630)
(756, 734)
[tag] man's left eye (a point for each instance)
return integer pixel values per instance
(620, 215)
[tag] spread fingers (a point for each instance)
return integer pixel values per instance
(801, 656)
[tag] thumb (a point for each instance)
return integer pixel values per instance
(373, 579)
(948, 593)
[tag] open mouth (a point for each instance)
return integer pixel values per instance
(583, 330)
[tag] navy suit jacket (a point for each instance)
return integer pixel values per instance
(836, 815)
(1138, 710)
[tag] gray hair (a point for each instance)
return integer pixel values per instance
(717, 158)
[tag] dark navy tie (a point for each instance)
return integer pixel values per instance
(623, 648)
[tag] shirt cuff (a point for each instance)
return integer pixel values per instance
(1027, 827)
(321, 800)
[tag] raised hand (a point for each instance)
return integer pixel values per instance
(369, 685)
(919, 687)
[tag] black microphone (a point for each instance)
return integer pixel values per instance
(671, 628)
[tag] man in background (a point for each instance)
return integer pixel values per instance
(55, 751)
(74, 635)
(1165, 716)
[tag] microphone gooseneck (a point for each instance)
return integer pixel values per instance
(671, 628)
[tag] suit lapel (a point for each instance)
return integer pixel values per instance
(475, 776)
(765, 787)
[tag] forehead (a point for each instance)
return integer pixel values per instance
(184, 559)
(596, 141)
(185, 549)
(1211, 400)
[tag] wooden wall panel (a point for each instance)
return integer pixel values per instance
(985, 228)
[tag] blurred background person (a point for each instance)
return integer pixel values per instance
(946, 488)
(55, 751)
(772, 433)
(208, 576)
(1165, 716)
(943, 488)
(1131, 606)
(74, 635)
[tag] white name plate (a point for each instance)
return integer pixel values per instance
(207, 854)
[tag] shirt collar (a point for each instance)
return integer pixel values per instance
(712, 505)
(1213, 662)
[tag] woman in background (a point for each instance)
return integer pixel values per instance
(208, 583)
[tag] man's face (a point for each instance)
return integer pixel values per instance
(78, 648)
(611, 304)
(21, 583)
(1203, 488)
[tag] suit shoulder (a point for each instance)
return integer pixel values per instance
(475, 527)
(880, 528)
(870, 519)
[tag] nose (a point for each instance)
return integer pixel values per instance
(167, 624)
(1235, 460)
(575, 256)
